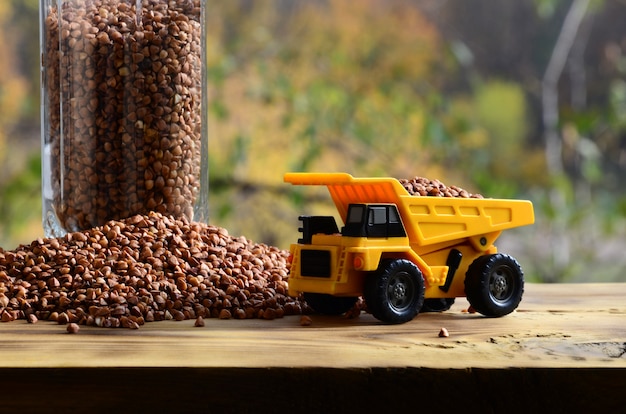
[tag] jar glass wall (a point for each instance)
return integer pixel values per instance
(123, 111)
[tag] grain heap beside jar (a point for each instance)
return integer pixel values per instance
(142, 269)
(124, 129)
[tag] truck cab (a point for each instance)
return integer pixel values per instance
(373, 220)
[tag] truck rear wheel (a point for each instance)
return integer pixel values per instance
(494, 284)
(395, 292)
(329, 305)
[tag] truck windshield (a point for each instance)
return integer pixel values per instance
(355, 213)
(354, 221)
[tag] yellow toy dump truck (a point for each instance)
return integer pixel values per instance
(404, 253)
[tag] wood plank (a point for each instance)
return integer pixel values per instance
(561, 351)
(579, 325)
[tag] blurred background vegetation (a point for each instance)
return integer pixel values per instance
(523, 99)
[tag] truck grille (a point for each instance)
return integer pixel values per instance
(315, 263)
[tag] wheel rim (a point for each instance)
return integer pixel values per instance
(400, 291)
(501, 284)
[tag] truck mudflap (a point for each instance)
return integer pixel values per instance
(453, 262)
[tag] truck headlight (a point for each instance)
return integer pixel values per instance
(358, 262)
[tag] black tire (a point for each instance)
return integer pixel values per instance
(437, 304)
(395, 292)
(494, 284)
(329, 305)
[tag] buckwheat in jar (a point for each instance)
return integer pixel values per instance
(123, 111)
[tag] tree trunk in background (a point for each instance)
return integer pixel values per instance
(553, 142)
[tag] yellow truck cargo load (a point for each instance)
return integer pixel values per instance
(405, 253)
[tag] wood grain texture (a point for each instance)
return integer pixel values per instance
(555, 326)
(564, 348)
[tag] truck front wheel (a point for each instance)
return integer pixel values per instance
(494, 284)
(395, 292)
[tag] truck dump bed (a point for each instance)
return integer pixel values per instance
(432, 219)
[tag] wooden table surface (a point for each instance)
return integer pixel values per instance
(558, 333)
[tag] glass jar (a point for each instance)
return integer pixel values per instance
(123, 111)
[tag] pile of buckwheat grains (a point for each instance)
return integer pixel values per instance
(142, 269)
(421, 186)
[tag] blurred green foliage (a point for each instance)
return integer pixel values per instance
(446, 90)
(20, 177)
